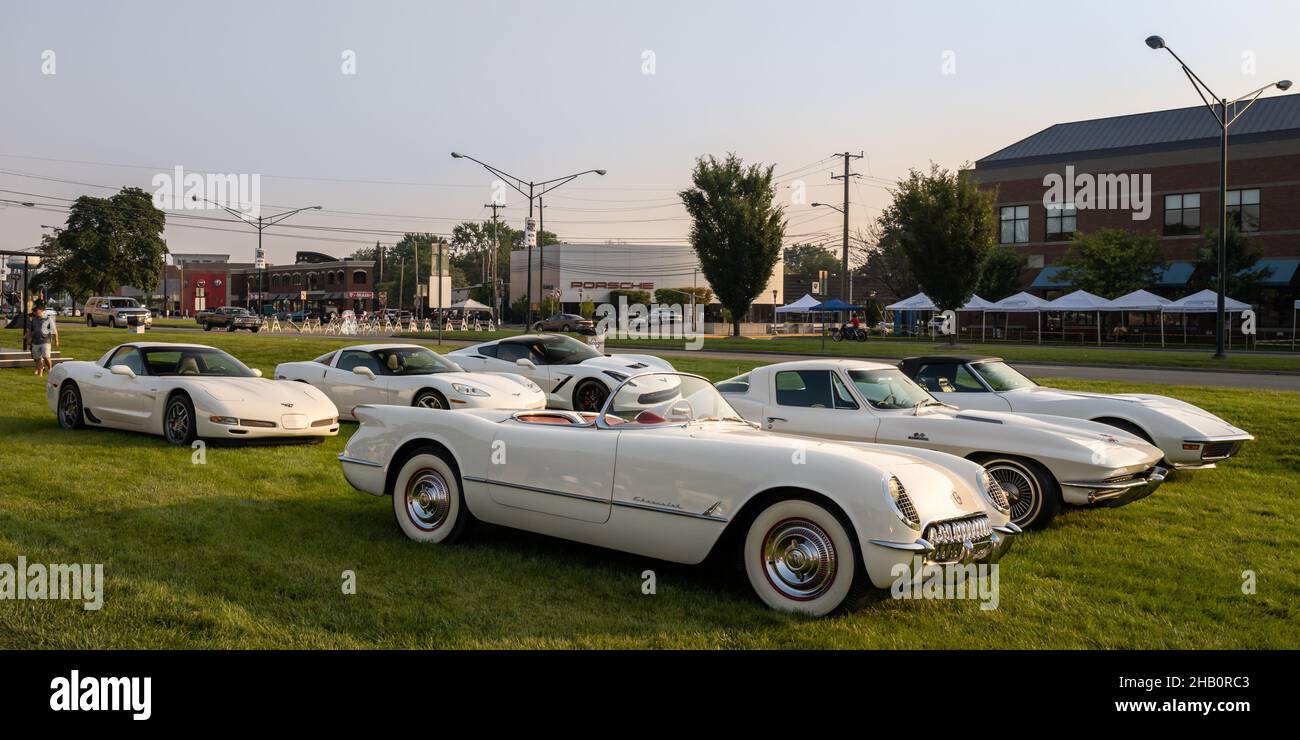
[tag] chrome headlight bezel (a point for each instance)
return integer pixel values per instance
(985, 482)
(900, 503)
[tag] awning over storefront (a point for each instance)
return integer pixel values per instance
(1282, 271)
(1176, 274)
(1048, 279)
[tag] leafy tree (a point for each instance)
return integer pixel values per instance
(683, 295)
(106, 243)
(887, 262)
(400, 267)
(519, 309)
(587, 309)
(1244, 272)
(736, 230)
(808, 260)
(549, 306)
(1112, 262)
(633, 296)
(945, 225)
(1000, 273)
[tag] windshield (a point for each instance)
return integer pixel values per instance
(565, 350)
(668, 398)
(123, 303)
(1001, 377)
(201, 361)
(414, 361)
(889, 389)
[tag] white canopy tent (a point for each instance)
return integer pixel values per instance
(1206, 301)
(803, 305)
(918, 302)
(1081, 301)
(1022, 302)
(1142, 300)
(979, 304)
(469, 304)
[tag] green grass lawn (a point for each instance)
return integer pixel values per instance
(248, 551)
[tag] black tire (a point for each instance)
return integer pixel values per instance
(566, 329)
(230, 328)
(590, 395)
(1033, 493)
(428, 499)
(802, 556)
(430, 398)
(862, 335)
(837, 336)
(207, 327)
(537, 326)
(255, 329)
(180, 427)
(72, 415)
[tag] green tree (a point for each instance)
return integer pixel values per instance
(887, 262)
(587, 309)
(683, 295)
(736, 229)
(105, 244)
(401, 265)
(1000, 273)
(945, 225)
(809, 260)
(1112, 262)
(633, 296)
(1244, 271)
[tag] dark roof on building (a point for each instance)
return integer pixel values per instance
(1181, 128)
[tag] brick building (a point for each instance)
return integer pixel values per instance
(1177, 153)
(318, 283)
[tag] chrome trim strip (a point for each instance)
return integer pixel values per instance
(1099, 486)
(1008, 528)
(662, 510)
(920, 545)
(593, 499)
(359, 461)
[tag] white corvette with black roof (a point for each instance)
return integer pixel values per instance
(574, 375)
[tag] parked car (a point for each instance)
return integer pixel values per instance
(229, 318)
(1190, 437)
(408, 375)
(566, 322)
(574, 375)
(185, 392)
(116, 312)
(1040, 462)
(813, 538)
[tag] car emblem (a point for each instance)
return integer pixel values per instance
(956, 497)
(286, 405)
(920, 437)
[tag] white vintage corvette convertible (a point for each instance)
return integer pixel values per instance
(573, 374)
(1191, 438)
(1041, 462)
(814, 522)
(408, 375)
(184, 392)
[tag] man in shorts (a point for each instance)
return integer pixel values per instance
(41, 332)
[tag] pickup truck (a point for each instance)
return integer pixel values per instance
(229, 318)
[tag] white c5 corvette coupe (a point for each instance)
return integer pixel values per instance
(1191, 438)
(1041, 462)
(408, 375)
(185, 392)
(815, 523)
(573, 374)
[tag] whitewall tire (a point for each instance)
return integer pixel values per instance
(427, 500)
(800, 557)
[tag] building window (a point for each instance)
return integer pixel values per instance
(1182, 214)
(1061, 222)
(297, 278)
(329, 278)
(1243, 209)
(1015, 224)
(359, 277)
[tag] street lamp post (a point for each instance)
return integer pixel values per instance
(846, 280)
(535, 191)
(1221, 117)
(260, 224)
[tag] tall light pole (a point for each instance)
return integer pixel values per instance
(844, 291)
(261, 223)
(535, 190)
(1219, 109)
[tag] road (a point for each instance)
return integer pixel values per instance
(1159, 376)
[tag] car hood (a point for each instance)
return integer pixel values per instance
(628, 364)
(234, 390)
(1058, 436)
(1185, 413)
(504, 384)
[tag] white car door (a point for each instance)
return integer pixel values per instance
(348, 389)
(816, 403)
(120, 400)
(953, 383)
(506, 361)
(559, 469)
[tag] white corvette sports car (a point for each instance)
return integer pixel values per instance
(573, 374)
(1039, 461)
(814, 522)
(408, 375)
(185, 392)
(1190, 437)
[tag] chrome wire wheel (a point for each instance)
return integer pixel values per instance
(799, 559)
(1023, 492)
(177, 422)
(428, 500)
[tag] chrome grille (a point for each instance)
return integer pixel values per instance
(905, 506)
(949, 537)
(999, 495)
(1219, 450)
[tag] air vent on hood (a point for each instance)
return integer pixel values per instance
(984, 419)
(638, 365)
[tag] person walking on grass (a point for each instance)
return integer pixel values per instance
(41, 332)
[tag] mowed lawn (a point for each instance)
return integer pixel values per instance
(248, 551)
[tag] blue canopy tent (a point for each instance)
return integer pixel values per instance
(834, 305)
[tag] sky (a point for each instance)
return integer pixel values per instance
(544, 89)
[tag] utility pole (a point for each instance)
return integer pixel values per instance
(493, 259)
(401, 282)
(844, 268)
(541, 252)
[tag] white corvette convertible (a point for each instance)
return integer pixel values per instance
(185, 392)
(1190, 437)
(813, 522)
(408, 375)
(573, 374)
(1040, 462)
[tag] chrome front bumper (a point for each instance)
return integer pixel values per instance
(1111, 493)
(987, 550)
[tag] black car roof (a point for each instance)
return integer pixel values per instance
(910, 365)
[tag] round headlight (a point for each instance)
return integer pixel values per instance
(992, 491)
(901, 503)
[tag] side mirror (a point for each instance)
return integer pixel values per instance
(122, 370)
(524, 362)
(257, 373)
(364, 371)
